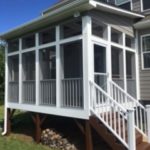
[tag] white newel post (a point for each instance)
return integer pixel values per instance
(87, 59)
(131, 129)
(148, 121)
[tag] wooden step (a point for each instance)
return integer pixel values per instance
(107, 136)
(139, 138)
(143, 146)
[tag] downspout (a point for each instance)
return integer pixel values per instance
(5, 122)
(6, 92)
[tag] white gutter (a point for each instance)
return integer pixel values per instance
(142, 24)
(115, 10)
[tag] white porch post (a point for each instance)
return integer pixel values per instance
(131, 130)
(6, 90)
(137, 66)
(148, 121)
(37, 81)
(88, 73)
(124, 63)
(20, 71)
(58, 69)
(109, 60)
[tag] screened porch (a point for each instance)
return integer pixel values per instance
(53, 67)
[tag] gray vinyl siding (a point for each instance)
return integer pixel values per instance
(144, 74)
(119, 23)
(136, 5)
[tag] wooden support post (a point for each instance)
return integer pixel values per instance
(38, 128)
(88, 136)
(8, 121)
(38, 121)
(10, 114)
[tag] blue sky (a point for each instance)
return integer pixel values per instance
(16, 12)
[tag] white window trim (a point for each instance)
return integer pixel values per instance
(142, 7)
(142, 53)
(129, 1)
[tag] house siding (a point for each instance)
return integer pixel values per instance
(144, 74)
(121, 24)
(136, 5)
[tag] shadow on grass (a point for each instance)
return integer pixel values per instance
(22, 124)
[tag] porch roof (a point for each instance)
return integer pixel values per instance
(65, 9)
(143, 24)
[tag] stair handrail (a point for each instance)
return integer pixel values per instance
(131, 97)
(119, 105)
(113, 116)
(140, 110)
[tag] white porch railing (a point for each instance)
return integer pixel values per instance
(127, 101)
(72, 93)
(48, 92)
(115, 117)
(29, 92)
(13, 91)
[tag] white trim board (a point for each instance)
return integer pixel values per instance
(66, 112)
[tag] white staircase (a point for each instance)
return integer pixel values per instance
(120, 113)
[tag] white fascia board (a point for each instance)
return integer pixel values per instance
(115, 10)
(142, 25)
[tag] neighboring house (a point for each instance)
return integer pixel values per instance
(84, 59)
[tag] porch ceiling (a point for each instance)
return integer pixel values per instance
(62, 11)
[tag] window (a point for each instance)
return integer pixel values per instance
(13, 45)
(47, 36)
(125, 4)
(48, 63)
(71, 28)
(72, 59)
(28, 41)
(146, 51)
(146, 4)
(130, 42)
(28, 66)
(116, 36)
(99, 59)
(13, 64)
(130, 65)
(120, 2)
(117, 62)
(99, 29)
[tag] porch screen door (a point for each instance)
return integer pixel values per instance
(100, 74)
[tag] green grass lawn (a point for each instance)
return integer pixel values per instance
(17, 141)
